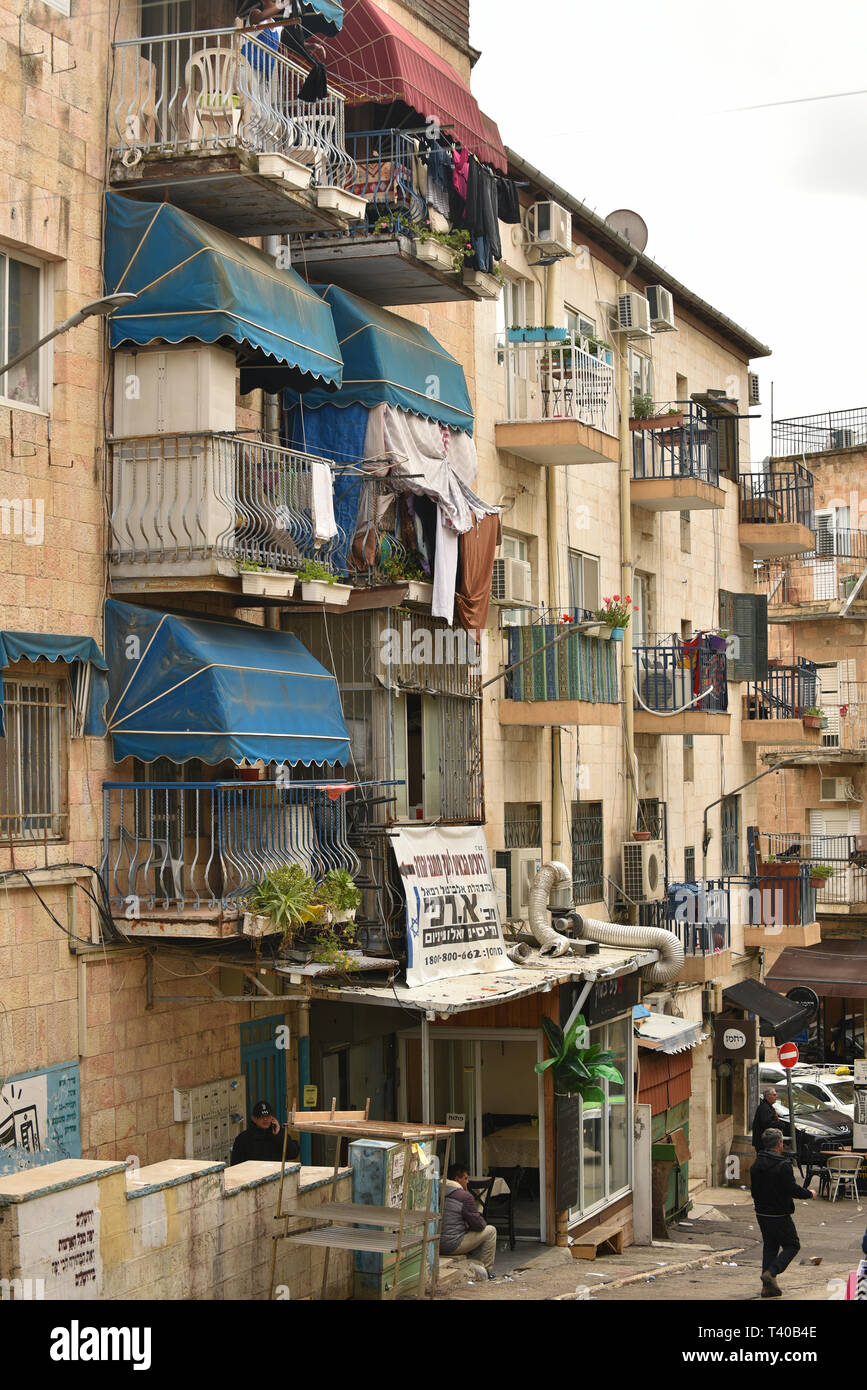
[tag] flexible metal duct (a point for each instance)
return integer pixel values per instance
(520, 953)
(551, 942)
(666, 969)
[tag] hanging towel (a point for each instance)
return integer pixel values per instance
(460, 169)
(508, 204)
(322, 501)
(477, 550)
(445, 570)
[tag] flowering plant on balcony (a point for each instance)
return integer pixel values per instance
(616, 612)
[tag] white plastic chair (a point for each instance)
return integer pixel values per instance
(844, 1169)
(210, 78)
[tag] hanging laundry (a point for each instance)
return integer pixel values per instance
(481, 213)
(439, 180)
(445, 570)
(334, 433)
(508, 203)
(460, 169)
(478, 548)
(322, 501)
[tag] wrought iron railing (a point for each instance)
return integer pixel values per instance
(698, 913)
(775, 896)
(386, 176)
(221, 89)
(186, 496)
(576, 668)
(785, 693)
(845, 854)
(183, 846)
(560, 381)
(689, 673)
(687, 450)
(824, 575)
(782, 496)
(817, 434)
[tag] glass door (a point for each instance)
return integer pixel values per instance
(455, 1084)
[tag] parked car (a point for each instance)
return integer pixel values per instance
(829, 1089)
(817, 1126)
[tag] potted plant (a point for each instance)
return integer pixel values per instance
(578, 1069)
(399, 568)
(554, 335)
(262, 581)
(642, 409)
(484, 283)
(330, 948)
(339, 896)
(716, 641)
(281, 904)
(819, 875)
(641, 834)
(615, 615)
(812, 718)
(515, 334)
(319, 584)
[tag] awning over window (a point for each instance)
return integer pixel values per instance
(778, 1017)
(185, 687)
(82, 654)
(195, 281)
(380, 61)
(322, 16)
(663, 1032)
(388, 359)
(835, 969)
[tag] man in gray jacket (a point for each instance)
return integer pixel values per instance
(464, 1231)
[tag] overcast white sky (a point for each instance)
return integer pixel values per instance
(763, 213)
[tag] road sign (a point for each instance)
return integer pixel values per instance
(788, 1055)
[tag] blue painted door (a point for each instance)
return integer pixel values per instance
(263, 1063)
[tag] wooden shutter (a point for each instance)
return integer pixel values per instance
(746, 617)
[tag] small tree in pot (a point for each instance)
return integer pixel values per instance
(577, 1069)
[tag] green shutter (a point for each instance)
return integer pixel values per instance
(745, 616)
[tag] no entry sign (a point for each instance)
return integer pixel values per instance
(788, 1055)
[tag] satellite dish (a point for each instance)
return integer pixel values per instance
(630, 225)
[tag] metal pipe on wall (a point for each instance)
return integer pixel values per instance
(553, 313)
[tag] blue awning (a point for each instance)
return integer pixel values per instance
(389, 359)
(195, 281)
(185, 687)
(89, 683)
(322, 16)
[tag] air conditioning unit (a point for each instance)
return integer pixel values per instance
(550, 229)
(642, 862)
(837, 789)
(661, 308)
(522, 866)
(511, 581)
(753, 391)
(843, 439)
(712, 999)
(633, 315)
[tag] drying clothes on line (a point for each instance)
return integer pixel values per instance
(480, 216)
(322, 501)
(333, 433)
(445, 570)
(439, 181)
(477, 547)
(460, 168)
(508, 203)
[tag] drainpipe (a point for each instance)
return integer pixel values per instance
(553, 313)
(273, 401)
(304, 1072)
(626, 571)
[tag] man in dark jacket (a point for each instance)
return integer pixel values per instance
(764, 1117)
(463, 1229)
(262, 1140)
(773, 1186)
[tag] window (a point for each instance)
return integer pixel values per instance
(588, 873)
(689, 863)
(514, 548)
(579, 323)
(61, 5)
(640, 373)
(33, 758)
(583, 580)
(681, 389)
(605, 1129)
(685, 533)
(21, 292)
(688, 758)
(518, 302)
(651, 816)
(731, 834)
(641, 600)
(522, 825)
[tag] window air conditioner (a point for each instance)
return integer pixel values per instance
(550, 228)
(661, 308)
(837, 789)
(511, 581)
(633, 315)
(522, 866)
(642, 862)
(753, 391)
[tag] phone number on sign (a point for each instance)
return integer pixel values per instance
(445, 956)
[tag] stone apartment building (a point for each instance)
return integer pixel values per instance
(159, 471)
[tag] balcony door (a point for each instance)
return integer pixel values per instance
(829, 837)
(832, 533)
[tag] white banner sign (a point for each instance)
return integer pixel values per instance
(452, 922)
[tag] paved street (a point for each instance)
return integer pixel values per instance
(721, 1244)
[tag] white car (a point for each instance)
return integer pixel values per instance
(830, 1089)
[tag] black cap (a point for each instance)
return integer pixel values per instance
(261, 1108)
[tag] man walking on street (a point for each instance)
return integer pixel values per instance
(773, 1186)
(764, 1117)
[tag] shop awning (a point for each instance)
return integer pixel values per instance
(185, 687)
(387, 359)
(87, 675)
(663, 1032)
(778, 1017)
(380, 61)
(197, 282)
(835, 969)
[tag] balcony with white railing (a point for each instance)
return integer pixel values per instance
(217, 118)
(561, 406)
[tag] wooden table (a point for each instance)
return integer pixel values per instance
(513, 1146)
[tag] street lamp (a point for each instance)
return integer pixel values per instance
(106, 305)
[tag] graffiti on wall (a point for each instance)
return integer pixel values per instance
(40, 1118)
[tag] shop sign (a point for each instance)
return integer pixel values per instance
(608, 998)
(734, 1038)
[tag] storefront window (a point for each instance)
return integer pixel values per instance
(605, 1129)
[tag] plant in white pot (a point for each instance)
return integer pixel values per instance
(281, 904)
(339, 896)
(319, 584)
(263, 581)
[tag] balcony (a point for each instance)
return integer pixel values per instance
(777, 904)
(561, 404)
(825, 583)
(571, 681)
(776, 511)
(774, 708)
(680, 685)
(179, 858)
(825, 433)
(675, 465)
(383, 257)
(842, 891)
(699, 914)
(216, 118)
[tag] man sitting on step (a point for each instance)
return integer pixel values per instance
(464, 1231)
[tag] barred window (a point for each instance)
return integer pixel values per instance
(588, 851)
(33, 759)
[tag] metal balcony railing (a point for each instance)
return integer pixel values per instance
(683, 674)
(817, 434)
(778, 497)
(845, 854)
(826, 574)
(698, 913)
(221, 89)
(559, 381)
(386, 176)
(576, 668)
(786, 692)
(186, 496)
(774, 897)
(688, 450)
(192, 846)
